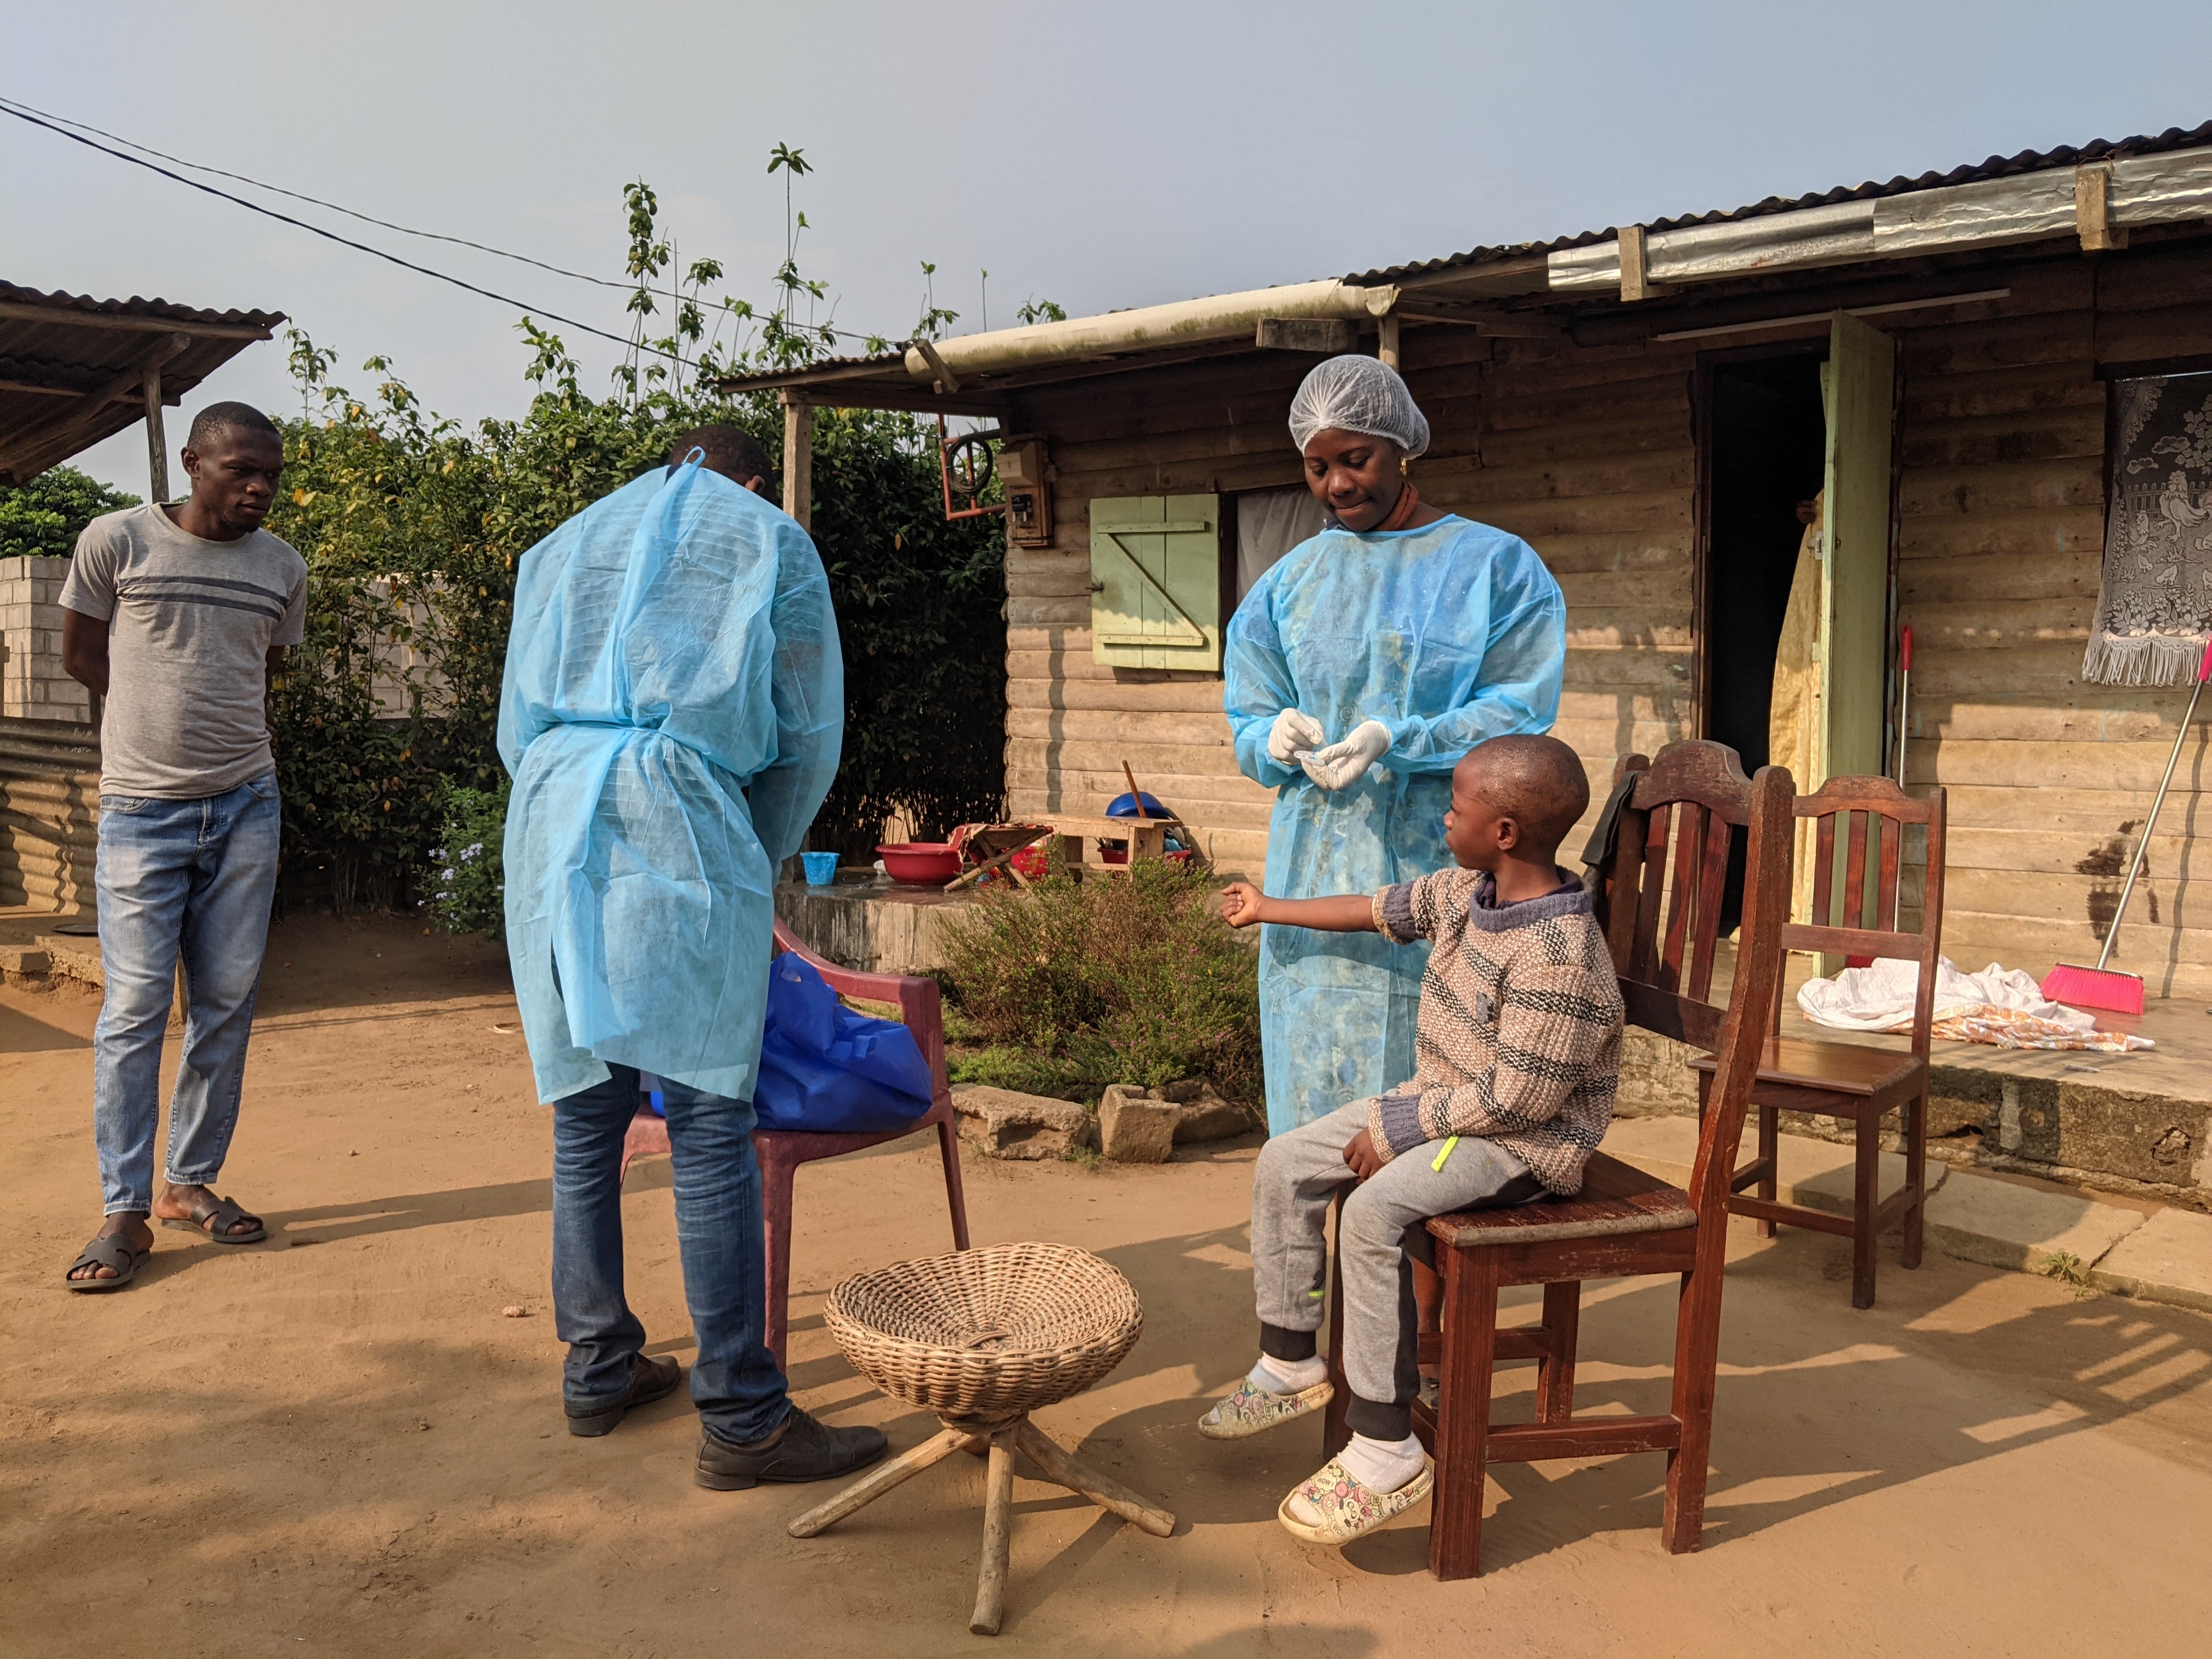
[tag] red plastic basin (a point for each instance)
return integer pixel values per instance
(920, 863)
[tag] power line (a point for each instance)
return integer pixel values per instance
(331, 235)
(17, 106)
(54, 124)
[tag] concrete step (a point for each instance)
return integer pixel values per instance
(2008, 1224)
(2165, 1257)
(2168, 1259)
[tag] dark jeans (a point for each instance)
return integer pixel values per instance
(735, 1383)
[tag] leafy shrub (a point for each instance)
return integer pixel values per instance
(467, 885)
(41, 519)
(1072, 986)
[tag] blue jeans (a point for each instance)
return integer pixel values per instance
(735, 1383)
(193, 878)
(189, 877)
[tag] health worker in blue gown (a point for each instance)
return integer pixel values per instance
(671, 714)
(1359, 668)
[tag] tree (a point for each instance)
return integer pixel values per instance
(42, 518)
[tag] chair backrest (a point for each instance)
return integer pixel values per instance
(1861, 919)
(1669, 872)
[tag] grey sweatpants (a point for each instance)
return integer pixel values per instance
(1296, 1177)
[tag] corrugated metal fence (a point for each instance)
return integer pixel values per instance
(48, 813)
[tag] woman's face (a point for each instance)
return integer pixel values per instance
(1356, 476)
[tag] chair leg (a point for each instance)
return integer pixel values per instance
(1866, 1199)
(955, 1196)
(1915, 1176)
(1470, 1346)
(1697, 1348)
(1770, 1148)
(775, 1219)
(1555, 1375)
(1336, 1423)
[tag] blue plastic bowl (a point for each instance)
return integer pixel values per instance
(1124, 805)
(821, 869)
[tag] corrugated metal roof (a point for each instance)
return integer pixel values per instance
(56, 350)
(1996, 167)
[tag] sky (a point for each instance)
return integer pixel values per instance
(1099, 155)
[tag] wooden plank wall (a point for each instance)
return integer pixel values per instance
(2001, 534)
(1588, 452)
(1216, 425)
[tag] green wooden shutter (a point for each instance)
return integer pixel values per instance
(1156, 582)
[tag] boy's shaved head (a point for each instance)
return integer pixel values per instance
(1538, 782)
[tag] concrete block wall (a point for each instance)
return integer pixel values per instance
(31, 684)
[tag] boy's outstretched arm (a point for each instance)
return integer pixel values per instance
(1242, 904)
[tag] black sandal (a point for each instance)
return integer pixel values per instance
(215, 1217)
(109, 1251)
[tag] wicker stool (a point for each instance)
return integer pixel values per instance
(983, 1338)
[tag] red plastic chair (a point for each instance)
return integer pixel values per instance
(781, 1151)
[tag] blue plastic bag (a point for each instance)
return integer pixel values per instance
(825, 1069)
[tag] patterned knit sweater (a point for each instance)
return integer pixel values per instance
(1518, 1036)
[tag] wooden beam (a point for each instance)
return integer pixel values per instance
(157, 443)
(89, 410)
(1506, 326)
(946, 380)
(2092, 219)
(43, 390)
(17, 310)
(1386, 347)
(1636, 281)
(798, 458)
(919, 401)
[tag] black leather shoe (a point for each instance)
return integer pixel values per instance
(652, 1379)
(801, 1448)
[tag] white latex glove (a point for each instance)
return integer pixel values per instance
(1294, 736)
(1343, 764)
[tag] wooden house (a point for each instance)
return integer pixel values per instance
(1935, 357)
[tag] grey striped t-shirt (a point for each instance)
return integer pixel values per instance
(190, 626)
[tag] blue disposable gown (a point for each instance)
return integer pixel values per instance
(1447, 634)
(672, 711)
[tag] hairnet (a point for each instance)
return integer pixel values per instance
(1357, 394)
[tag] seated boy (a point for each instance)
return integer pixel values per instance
(1518, 1046)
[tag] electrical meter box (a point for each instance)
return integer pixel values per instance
(1026, 474)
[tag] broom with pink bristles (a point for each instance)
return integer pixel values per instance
(2109, 988)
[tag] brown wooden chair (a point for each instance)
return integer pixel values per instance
(781, 1151)
(1623, 1221)
(1846, 1079)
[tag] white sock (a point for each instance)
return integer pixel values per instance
(1381, 1466)
(1273, 1375)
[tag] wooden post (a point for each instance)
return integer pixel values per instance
(2093, 187)
(798, 458)
(997, 1537)
(1387, 347)
(1636, 281)
(157, 445)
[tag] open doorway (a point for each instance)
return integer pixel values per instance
(1765, 452)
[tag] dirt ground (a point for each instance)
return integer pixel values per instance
(334, 1442)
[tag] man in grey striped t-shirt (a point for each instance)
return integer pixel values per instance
(176, 616)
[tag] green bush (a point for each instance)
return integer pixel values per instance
(467, 880)
(41, 519)
(1072, 986)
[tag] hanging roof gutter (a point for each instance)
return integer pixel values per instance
(1149, 328)
(2097, 192)
(2148, 190)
